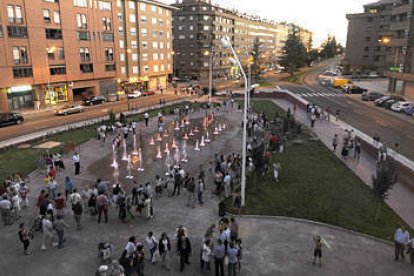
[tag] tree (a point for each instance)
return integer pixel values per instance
(294, 53)
(383, 181)
(256, 54)
(330, 48)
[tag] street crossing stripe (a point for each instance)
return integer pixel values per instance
(305, 95)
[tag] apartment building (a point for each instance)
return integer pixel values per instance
(198, 27)
(144, 39)
(380, 41)
(54, 52)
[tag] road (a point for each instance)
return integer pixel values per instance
(390, 126)
(47, 119)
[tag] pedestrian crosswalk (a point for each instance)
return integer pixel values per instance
(310, 95)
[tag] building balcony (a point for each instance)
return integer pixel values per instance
(403, 25)
(404, 8)
(399, 42)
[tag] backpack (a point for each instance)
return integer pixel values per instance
(77, 208)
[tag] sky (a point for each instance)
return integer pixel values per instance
(322, 17)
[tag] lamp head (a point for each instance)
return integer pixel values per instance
(233, 61)
(225, 42)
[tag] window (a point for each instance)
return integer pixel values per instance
(22, 72)
(155, 45)
(109, 54)
(132, 18)
(144, 32)
(46, 16)
(86, 68)
(83, 36)
(20, 55)
(17, 32)
(161, 22)
(154, 8)
(61, 53)
(57, 70)
(145, 57)
(56, 17)
(134, 57)
(133, 31)
(80, 3)
(81, 21)
(154, 20)
(161, 45)
(134, 44)
(123, 70)
(156, 68)
(1, 31)
(121, 30)
(53, 33)
(50, 53)
(121, 44)
(181, 37)
(145, 45)
(143, 19)
(107, 24)
(105, 6)
(155, 56)
(85, 55)
(146, 69)
(154, 33)
(143, 7)
(122, 57)
(119, 3)
(162, 56)
(120, 16)
(110, 67)
(131, 5)
(162, 67)
(14, 14)
(135, 70)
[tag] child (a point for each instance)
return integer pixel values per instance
(318, 249)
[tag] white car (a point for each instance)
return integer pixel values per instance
(70, 109)
(134, 95)
(400, 106)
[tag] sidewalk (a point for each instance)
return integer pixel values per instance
(400, 198)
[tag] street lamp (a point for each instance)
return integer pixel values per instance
(386, 41)
(210, 76)
(225, 42)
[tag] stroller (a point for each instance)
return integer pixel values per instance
(105, 252)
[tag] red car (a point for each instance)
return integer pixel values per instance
(148, 93)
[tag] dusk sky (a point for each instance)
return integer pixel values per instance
(320, 16)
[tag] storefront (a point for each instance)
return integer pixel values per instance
(56, 94)
(20, 97)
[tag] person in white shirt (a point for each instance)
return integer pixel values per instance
(47, 228)
(131, 247)
(75, 197)
(146, 118)
(16, 205)
(76, 162)
(401, 239)
(151, 245)
(227, 185)
(206, 255)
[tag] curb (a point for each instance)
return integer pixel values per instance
(47, 132)
(316, 223)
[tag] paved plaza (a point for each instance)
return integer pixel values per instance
(271, 246)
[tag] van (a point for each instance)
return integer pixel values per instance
(337, 83)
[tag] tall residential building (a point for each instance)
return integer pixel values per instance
(380, 40)
(144, 38)
(198, 27)
(61, 51)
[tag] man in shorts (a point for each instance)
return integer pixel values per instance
(318, 249)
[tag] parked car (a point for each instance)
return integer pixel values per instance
(134, 95)
(371, 96)
(92, 100)
(399, 106)
(70, 109)
(409, 110)
(10, 118)
(351, 89)
(148, 93)
(389, 99)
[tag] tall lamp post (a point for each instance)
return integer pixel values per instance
(210, 76)
(225, 41)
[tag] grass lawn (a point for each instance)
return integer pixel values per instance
(315, 185)
(24, 160)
